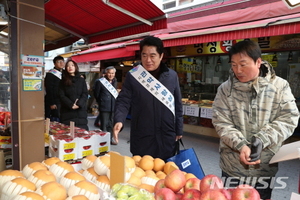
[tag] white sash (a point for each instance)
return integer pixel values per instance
(55, 72)
(156, 88)
(109, 87)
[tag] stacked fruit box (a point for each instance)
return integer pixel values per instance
(67, 144)
(5, 130)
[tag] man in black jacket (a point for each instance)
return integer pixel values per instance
(52, 79)
(105, 93)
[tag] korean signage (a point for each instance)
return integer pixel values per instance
(32, 69)
(265, 43)
(206, 112)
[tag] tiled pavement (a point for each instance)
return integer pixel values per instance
(207, 152)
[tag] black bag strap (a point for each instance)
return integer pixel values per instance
(177, 148)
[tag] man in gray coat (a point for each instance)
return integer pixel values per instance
(254, 112)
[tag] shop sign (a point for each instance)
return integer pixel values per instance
(32, 85)
(31, 60)
(32, 68)
(265, 43)
(84, 67)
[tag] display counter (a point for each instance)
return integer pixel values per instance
(197, 119)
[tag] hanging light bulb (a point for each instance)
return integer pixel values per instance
(275, 57)
(290, 58)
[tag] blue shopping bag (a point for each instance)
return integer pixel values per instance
(187, 161)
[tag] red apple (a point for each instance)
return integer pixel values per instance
(245, 192)
(175, 180)
(159, 184)
(227, 192)
(191, 194)
(210, 181)
(179, 196)
(192, 183)
(165, 194)
(214, 194)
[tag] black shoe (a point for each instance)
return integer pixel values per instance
(113, 142)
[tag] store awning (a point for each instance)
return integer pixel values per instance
(98, 20)
(116, 50)
(262, 28)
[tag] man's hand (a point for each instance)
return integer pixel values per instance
(52, 107)
(117, 128)
(245, 156)
(75, 107)
(178, 137)
(256, 148)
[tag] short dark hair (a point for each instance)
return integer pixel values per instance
(152, 41)
(58, 58)
(247, 47)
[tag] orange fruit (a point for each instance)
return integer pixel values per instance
(189, 175)
(146, 163)
(148, 187)
(136, 159)
(139, 172)
(161, 174)
(169, 167)
(134, 180)
(148, 156)
(158, 164)
(150, 173)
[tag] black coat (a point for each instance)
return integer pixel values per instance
(153, 126)
(104, 98)
(68, 96)
(51, 86)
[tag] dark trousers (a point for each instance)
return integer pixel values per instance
(106, 119)
(265, 193)
(54, 114)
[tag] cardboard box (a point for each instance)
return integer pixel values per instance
(64, 147)
(5, 142)
(85, 146)
(101, 142)
(288, 152)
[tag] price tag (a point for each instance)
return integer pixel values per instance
(206, 113)
(70, 145)
(192, 111)
(103, 149)
(87, 153)
(209, 113)
(70, 156)
(203, 112)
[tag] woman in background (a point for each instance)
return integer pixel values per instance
(73, 95)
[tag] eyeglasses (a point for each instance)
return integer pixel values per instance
(60, 61)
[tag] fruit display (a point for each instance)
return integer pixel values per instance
(177, 186)
(143, 177)
(122, 191)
